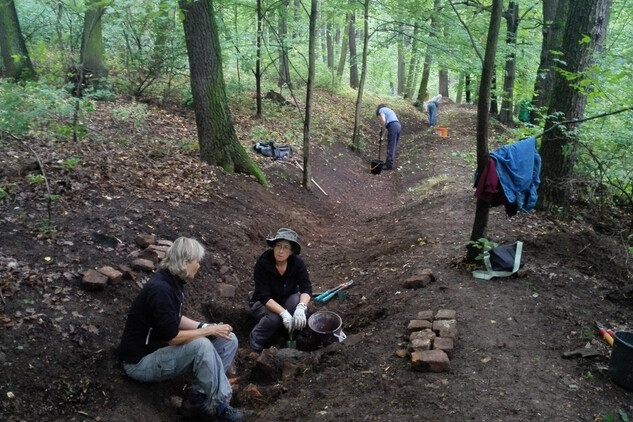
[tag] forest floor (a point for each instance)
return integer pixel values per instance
(58, 341)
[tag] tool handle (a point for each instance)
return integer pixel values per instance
(606, 337)
(324, 294)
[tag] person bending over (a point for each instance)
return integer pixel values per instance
(388, 119)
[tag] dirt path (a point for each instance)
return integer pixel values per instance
(58, 345)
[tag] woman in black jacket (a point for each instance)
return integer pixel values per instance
(282, 289)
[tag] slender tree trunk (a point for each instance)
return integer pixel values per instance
(15, 57)
(258, 60)
(344, 48)
(480, 224)
(423, 93)
(443, 82)
(307, 173)
(494, 106)
(353, 60)
(460, 89)
(284, 65)
(588, 20)
(216, 135)
(467, 88)
(330, 46)
(413, 62)
(512, 19)
(402, 89)
(359, 97)
(555, 14)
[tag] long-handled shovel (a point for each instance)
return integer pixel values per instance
(376, 165)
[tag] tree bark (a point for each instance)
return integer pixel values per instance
(353, 60)
(92, 50)
(410, 90)
(585, 34)
(344, 48)
(363, 76)
(512, 20)
(216, 135)
(15, 57)
(307, 172)
(480, 224)
(284, 64)
(423, 93)
(555, 13)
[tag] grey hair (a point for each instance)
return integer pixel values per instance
(183, 250)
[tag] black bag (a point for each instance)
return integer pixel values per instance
(502, 257)
(269, 149)
(502, 261)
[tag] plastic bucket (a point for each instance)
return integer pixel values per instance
(327, 326)
(376, 166)
(443, 131)
(621, 363)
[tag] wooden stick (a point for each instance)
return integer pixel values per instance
(312, 179)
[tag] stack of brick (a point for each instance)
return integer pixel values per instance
(152, 251)
(432, 338)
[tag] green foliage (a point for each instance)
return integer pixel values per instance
(69, 164)
(36, 179)
(620, 415)
(483, 245)
(3, 193)
(100, 94)
(35, 109)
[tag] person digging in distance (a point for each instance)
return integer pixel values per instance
(431, 107)
(282, 289)
(388, 119)
(159, 343)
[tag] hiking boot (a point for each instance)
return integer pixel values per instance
(191, 410)
(226, 413)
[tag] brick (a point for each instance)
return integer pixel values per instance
(431, 361)
(93, 280)
(427, 315)
(419, 324)
(164, 242)
(114, 276)
(444, 324)
(446, 314)
(446, 344)
(422, 334)
(420, 344)
(144, 240)
(149, 254)
(226, 290)
(141, 264)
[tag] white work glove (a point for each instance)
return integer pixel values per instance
(299, 318)
(287, 319)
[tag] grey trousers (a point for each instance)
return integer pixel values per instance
(210, 359)
(269, 322)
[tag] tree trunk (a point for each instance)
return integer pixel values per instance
(92, 50)
(494, 106)
(284, 64)
(359, 97)
(555, 13)
(353, 60)
(467, 88)
(423, 93)
(15, 57)
(216, 135)
(443, 83)
(512, 19)
(307, 173)
(460, 89)
(344, 48)
(401, 86)
(258, 60)
(480, 224)
(330, 46)
(585, 33)
(413, 62)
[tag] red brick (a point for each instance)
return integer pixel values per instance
(431, 361)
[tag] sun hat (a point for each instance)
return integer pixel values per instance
(286, 234)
